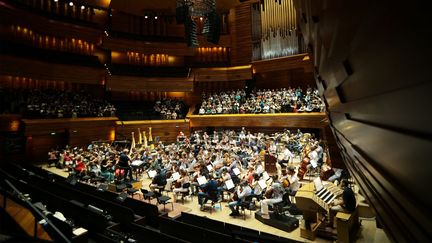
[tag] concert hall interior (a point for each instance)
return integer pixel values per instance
(214, 121)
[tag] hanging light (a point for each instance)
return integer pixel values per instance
(71, 4)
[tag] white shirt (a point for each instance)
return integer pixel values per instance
(294, 182)
(287, 155)
(246, 192)
(313, 158)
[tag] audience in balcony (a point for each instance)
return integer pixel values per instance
(170, 109)
(32, 103)
(262, 101)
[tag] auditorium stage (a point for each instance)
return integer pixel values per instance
(367, 233)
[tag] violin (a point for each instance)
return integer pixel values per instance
(286, 183)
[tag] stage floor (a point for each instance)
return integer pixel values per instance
(367, 233)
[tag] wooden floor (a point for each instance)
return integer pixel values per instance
(367, 233)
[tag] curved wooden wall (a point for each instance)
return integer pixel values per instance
(292, 120)
(11, 66)
(372, 62)
(167, 130)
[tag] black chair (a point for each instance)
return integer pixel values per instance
(147, 194)
(165, 200)
(186, 193)
(132, 191)
(212, 202)
(247, 204)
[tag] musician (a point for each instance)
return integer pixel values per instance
(208, 191)
(106, 170)
(276, 197)
(224, 177)
(294, 183)
(52, 157)
(243, 191)
(80, 167)
(124, 163)
(256, 188)
(347, 204)
(180, 184)
(181, 137)
(337, 174)
(158, 180)
(313, 156)
(249, 174)
(287, 156)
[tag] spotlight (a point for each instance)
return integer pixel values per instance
(146, 17)
(156, 17)
(82, 7)
(201, 18)
(71, 4)
(55, 1)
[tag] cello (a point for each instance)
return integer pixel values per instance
(303, 168)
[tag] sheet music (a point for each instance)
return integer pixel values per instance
(79, 231)
(229, 184)
(318, 184)
(152, 173)
(176, 176)
(209, 168)
(201, 180)
(137, 162)
(236, 171)
(265, 176)
(262, 184)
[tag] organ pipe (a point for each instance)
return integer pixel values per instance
(278, 29)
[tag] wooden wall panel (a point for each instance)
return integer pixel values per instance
(224, 40)
(284, 79)
(46, 126)
(14, 16)
(222, 74)
(241, 34)
(284, 63)
(44, 134)
(304, 120)
(372, 67)
(167, 130)
(9, 122)
(146, 47)
(136, 83)
(15, 66)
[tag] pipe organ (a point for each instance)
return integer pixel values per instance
(275, 29)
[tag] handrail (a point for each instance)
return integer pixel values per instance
(20, 195)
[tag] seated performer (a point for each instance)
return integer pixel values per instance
(347, 204)
(243, 191)
(158, 180)
(276, 196)
(294, 184)
(209, 191)
(180, 182)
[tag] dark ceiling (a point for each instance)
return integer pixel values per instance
(139, 7)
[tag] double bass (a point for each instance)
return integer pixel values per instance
(303, 168)
(326, 169)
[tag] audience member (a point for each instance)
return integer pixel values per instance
(33, 103)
